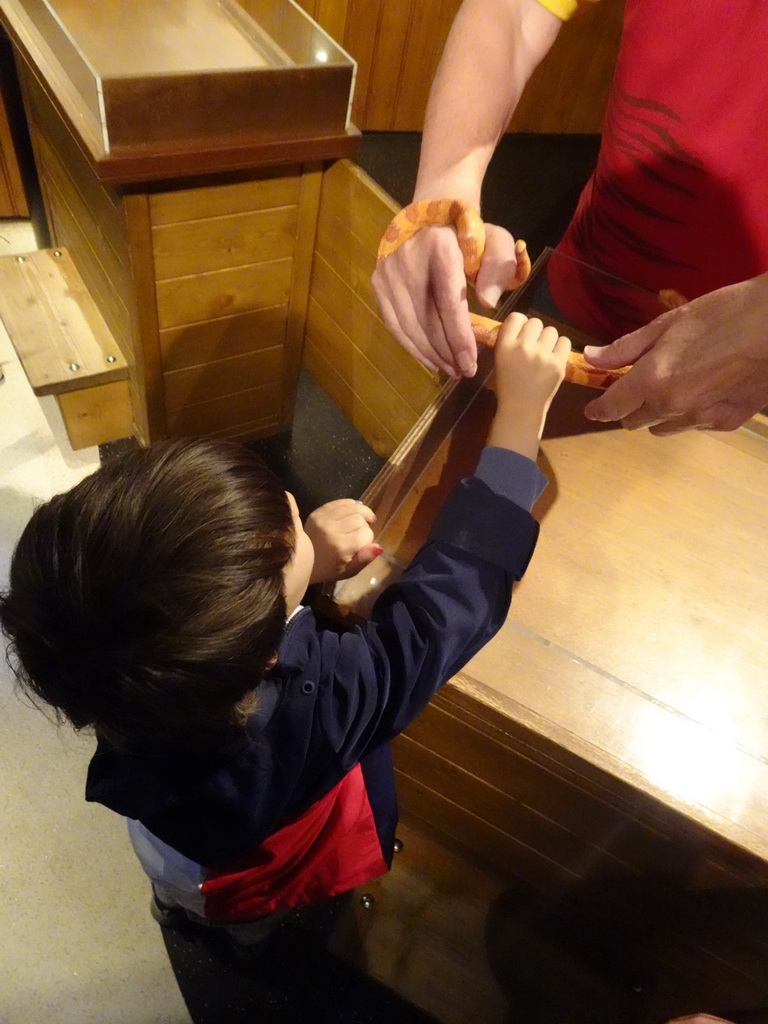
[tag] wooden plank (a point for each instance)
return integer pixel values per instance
(97, 415)
(425, 936)
(427, 33)
(545, 787)
(309, 201)
(386, 70)
(567, 93)
(248, 431)
(349, 350)
(194, 344)
(146, 378)
(471, 836)
(360, 40)
(357, 203)
(363, 326)
(103, 202)
(13, 198)
(331, 15)
(67, 232)
(366, 383)
(227, 413)
(510, 816)
(58, 332)
(186, 300)
(77, 219)
(217, 243)
(348, 400)
(222, 377)
(273, 188)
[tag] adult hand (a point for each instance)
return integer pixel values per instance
(422, 292)
(342, 537)
(703, 365)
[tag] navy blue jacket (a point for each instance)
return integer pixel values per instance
(330, 706)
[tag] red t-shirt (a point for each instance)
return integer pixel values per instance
(679, 197)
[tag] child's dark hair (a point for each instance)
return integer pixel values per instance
(148, 601)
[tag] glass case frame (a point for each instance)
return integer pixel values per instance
(169, 73)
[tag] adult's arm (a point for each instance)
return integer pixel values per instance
(703, 365)
(492, 50)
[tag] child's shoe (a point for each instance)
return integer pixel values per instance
(167, 916)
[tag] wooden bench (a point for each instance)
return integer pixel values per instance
(64, 345)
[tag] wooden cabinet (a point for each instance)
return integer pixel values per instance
(181, 175)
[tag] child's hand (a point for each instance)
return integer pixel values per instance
(530, 365)
(342, 539)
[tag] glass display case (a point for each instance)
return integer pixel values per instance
(165, 72)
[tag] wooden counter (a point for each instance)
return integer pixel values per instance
(619, 721)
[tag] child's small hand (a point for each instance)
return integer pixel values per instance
(342, 538)
(530, 365)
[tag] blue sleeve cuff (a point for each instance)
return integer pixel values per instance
(511, 475)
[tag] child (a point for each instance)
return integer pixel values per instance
(158, 603)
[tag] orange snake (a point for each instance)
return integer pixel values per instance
(471, 235)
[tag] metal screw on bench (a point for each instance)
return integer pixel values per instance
(367, 901)
(74, 366)
(20, 259)
(111, 359)
(397, 846)
(57, 252)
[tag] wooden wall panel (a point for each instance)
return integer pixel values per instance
(13, 199)
(218, 243)
(227, 415)
(90, 220)
(398, 47)
(222, 338)
(231, 322)
(524, 805)
(220, 378)
(360, 40)
(348, 349)
(183, 300)
(103, 203)
(568, 92)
